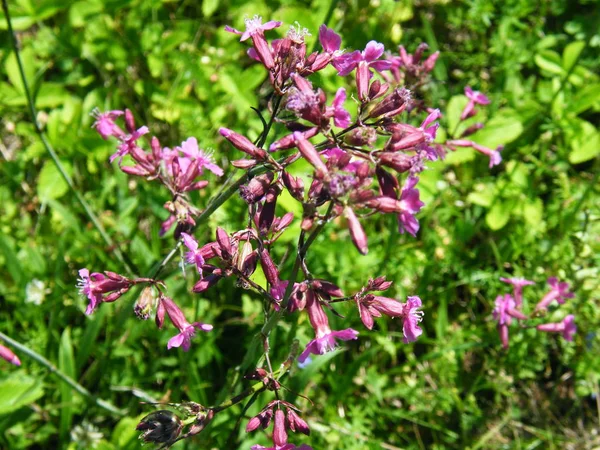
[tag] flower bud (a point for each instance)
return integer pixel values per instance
(144, 304)
(9, 356)
(294, 185)
(359, 238)
(269, 268)
(224, 243)
(392, 105)
(161, 426)
(256, 188)
(361, 136)
(296, 423)
(242, 143)
(280, 436)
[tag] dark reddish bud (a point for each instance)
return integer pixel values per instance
(363, 170)
(377, 89)
(243, 143)
(262, 50)
(320, 62)
(206, 282)
(269, 268)
(129, 121)
(388, 184)
(244, 163)
(307, 223)
(256, 188)
(400, 162)
(379, 284)
(160, 315)
(429, 63)
(253, 424)
(156, 149)
(288, 141)
(284, 222)
(407, 141)
(310, 154)
(196, 186)
(357, 232)
(135, 170)
(224, 243)
(392, 105)
(267, 213)
(472, 129)
(256, 374)
(280, 435)
(249, 264)
(296, 423)
(419, 52)
(328, 288)
(294, 185)
(385, 204)
(363, 75)
(361, 136)
(365, 315)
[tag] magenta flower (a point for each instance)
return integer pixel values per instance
(254, 26)
(95, 285)
(410, 205)
(330, 40)
(341, 117)
(567, 327)
(187, 330)
(190, 149)
(9, 356)
(411, 317)
(325, 339)
(287, 446)
(504, 311)
(346, 63)
(194, 256)
(128, 143)
(494, 155)
(475, 98)
(518, 284)
(105, 123)
(558, 291)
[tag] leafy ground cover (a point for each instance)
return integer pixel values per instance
(535, 216)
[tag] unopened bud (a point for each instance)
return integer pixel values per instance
(145, 303)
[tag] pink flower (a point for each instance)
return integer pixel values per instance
(410, 205)
(412, 316)
(503, 313)
(187, 330)
(341, 117)
(190, 149)
(475, 98)
(9, 356)
(558, 291)
(373, 51)
(494, 155)
(567, 327)
(329, 39)
(105, 123)
(194, 256)
(287, 446)
(518, 284)
(128, 143)
(254, 26)
(325, 339)
(95, 285)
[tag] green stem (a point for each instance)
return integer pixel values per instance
(64, 378)
(127, 263)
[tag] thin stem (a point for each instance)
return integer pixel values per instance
(127, 263)
(64, 378)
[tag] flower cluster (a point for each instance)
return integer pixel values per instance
(364, 158)
(509, 307)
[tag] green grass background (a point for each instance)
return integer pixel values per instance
(170, 62)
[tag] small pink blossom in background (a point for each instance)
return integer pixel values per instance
(567, 327)
(105, 123)
(411, 205)
(9, 356)
(128, 143)
(518, 284)
(194, 256)
(411, 317)
(287, 446)
(559, 291)
(327, 342)
(475, 98)
(254, 26)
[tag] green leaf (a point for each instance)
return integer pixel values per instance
(209, 7)
(585, 145)
(453, 111)
(18, 390)
(504, 127)
(51, 185)
(497, 217)
(571, 53)
(549, 61)
(12, 68)
(66, 364)
(585, 99)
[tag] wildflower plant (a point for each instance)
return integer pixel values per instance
(364, 145)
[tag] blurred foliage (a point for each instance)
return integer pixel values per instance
(536, 215)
